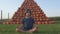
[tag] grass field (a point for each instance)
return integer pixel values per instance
(42, 28)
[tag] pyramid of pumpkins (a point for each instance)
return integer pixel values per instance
(37, 13)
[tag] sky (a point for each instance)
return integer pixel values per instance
(50, 7)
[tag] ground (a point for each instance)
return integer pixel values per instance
(42, 28)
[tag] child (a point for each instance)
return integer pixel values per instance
(28, 23)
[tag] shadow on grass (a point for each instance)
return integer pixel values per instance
(38, 32)
(43, 32)
(47, 32)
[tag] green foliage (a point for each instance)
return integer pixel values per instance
(55, 18)
(4, 20)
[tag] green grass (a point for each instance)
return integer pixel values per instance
(42, 29)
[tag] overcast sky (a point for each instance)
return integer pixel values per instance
(50, 7)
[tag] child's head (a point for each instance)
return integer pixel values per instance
(28, 13)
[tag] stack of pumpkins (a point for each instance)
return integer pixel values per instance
(37, 13)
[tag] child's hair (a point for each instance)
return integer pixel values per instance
(28, 11)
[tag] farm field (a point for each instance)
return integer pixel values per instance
(42, 28)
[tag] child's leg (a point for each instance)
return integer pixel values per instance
(19, 29)
(33, 29)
